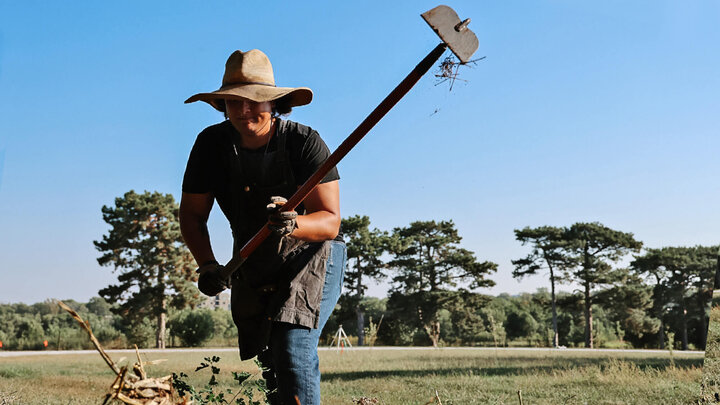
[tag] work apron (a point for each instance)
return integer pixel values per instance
(282, 280)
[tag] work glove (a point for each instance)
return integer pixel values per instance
(280, 223)
(210, 282)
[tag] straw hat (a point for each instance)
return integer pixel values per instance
(249, 75)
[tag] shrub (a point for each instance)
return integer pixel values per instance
(193, 327)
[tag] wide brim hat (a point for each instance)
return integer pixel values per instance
(249, 75)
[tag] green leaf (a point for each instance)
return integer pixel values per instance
(240, 377)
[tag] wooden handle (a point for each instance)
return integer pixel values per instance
(353, 139)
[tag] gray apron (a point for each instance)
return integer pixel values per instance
(282, 280)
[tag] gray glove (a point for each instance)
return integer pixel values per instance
(210, 282)
(281, 223)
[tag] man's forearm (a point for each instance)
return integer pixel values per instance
(197, 239)
(317, 226)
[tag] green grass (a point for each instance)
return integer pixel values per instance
(711, 368)
(461, 376)
(550, 377)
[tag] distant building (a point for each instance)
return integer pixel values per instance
(221, 300)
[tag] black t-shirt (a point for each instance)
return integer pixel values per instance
(207, 171)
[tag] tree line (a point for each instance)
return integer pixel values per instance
(636, 297)
(620, 293)
(44, 326)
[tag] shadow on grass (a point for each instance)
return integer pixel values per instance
(491, 371)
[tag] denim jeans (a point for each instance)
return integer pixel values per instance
(292, 357)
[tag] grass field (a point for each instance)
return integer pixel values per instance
(711, 368)
(460, 376)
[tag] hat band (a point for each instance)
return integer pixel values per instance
(260, 83)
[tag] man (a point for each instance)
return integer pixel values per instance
(251, 163)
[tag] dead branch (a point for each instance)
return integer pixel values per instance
(138, 368)
(86, 325)
(132, 388)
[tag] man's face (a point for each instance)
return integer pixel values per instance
(249, 117)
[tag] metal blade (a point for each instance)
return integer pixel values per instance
(455, 33)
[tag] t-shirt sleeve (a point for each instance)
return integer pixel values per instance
(200, 167)
(313, 155)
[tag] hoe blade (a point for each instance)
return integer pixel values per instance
(455, 33)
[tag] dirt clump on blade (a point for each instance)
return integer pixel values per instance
(449, 69)
(132, 385)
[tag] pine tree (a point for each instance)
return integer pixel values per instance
(595, 247)
(364, 248)
(547, 253)
(155, 269)
(428, 263)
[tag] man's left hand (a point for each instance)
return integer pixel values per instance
(282, 223)
(210, 282)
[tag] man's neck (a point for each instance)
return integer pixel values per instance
(256, 141)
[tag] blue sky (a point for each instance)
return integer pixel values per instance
(582, 111)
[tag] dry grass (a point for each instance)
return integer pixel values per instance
(398, 376)
(8, 398)
(481, 377)
(711, 368)
(86, 379)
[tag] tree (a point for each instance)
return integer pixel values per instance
(364, 248)
(571, 321)
(193, 327)
(98, 306)
(704, 262)
(428, 261)
(629, 306)
(683, 281)
(651, 265)
(547, 253)
(145, 246)
(677, 261)
(453, 315)
(594, 247)
(427, 258)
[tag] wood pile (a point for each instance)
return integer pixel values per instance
(132, 385)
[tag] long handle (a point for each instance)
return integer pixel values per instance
(353, 139)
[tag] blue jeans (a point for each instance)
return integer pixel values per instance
(292, 357)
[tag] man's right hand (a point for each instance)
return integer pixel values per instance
(209, 281)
